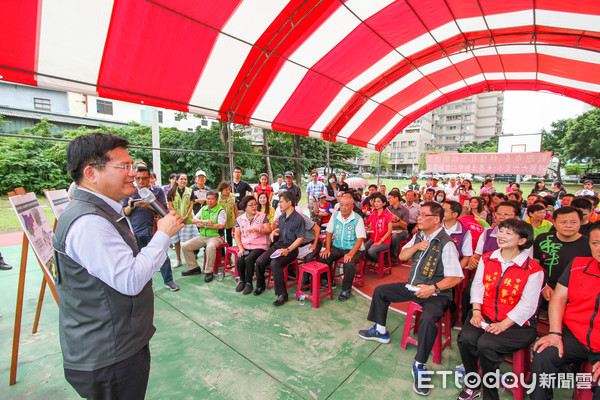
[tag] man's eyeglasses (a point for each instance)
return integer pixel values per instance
(425, 215)
(127, 167)
(141, 178)
(505, 214)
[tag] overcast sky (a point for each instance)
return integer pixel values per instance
(529, 112)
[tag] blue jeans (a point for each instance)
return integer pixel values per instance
(373, 251)
(165, 269)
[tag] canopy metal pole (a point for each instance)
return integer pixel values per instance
(379, 170)
(156, 143)
(328, 154)
(230, 152)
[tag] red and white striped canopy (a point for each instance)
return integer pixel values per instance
(355, 71)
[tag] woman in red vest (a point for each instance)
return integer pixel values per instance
(574, 334)
(505, 294)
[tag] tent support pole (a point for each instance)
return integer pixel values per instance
(328, 154)
(379, 170)
(230, 152)
(156, 145)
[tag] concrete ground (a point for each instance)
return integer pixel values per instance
(213, 343)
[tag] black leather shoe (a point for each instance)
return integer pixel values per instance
(248, 288)
(194, 271)
(208, 277)
(240, 286)
(258, 291)
(282, 298)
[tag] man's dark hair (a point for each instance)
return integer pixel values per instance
(432, 190)
(569, 195)
(567, 210)
(550, 200)
(582, 203)
(535, 208)
(521, 228)
(534, 195)
(212, 193)
(373, 186)
(500, 196)
(142, 168)
(455, 206)
(542, 202)
(91, 149)
(435, 209)
(237, 168)
(593, 199)
(395, 193)
(287, 196)
(244, 203)
(279, 176)
(515, 206)
(594, 226)
(412, 191)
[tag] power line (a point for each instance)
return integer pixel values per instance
(223, 153)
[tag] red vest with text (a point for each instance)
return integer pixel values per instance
(581, 314)
(503, 290)
(475, 227)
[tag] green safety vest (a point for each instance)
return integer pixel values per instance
(182, 206)
(213, 215)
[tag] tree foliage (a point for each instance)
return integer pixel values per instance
(423, 160)
(39, 164)
(374, 160)
(487, 146)
(582, 139)
(552, 140)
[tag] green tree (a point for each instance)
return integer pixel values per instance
(582, 141)
(374, 160)
(488, 146)
(553, 141)
(423, 160)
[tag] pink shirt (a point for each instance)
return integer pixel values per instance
(379, 225)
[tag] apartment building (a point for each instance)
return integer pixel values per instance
(473, 119)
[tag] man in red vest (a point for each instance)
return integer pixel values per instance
(574, 322)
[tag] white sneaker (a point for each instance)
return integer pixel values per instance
(177, 264)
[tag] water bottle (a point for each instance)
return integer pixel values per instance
(301, 299)
(220, 276)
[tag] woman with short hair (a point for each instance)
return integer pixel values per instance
(252, 230)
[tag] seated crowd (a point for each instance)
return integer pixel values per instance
(503, 262)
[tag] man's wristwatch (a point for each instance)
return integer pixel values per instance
(437, 289)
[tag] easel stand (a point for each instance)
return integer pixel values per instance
(20, 294)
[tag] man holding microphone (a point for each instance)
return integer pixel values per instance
(103, 280)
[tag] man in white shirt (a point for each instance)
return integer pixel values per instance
(103, 280)
(276, 188)
(433, 274)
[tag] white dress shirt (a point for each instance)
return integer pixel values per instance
(528, 303)
(96, 245)
(449, 256)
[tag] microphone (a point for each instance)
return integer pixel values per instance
(149, 198)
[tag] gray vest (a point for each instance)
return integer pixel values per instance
(430, 269)
(98, 326)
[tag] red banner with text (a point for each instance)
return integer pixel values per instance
(489, 163)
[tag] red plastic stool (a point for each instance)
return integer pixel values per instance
(289, 282)
(584, 393)
(444, 331)
(521, 362)
(381, 267)
(315, 269)
(359, 274)
(219, 262)
(228, 267)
